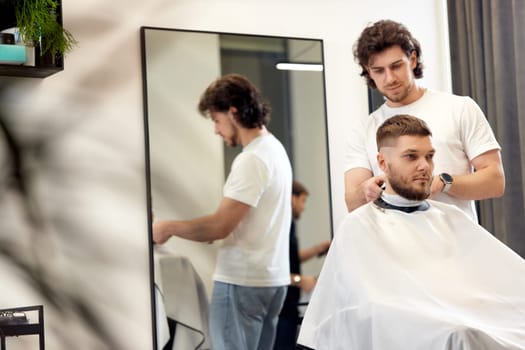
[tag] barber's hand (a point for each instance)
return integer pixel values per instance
(436, 186)
(322, 248)
(307, 283)
(372, 187)
(160, 232)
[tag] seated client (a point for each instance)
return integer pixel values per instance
(406, 273)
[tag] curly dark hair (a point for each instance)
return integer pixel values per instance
(235, 90)
(380, 36)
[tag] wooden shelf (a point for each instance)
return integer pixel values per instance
(28, 71)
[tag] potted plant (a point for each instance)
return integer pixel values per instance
(38, 25)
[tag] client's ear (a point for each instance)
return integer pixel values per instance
(381, 161)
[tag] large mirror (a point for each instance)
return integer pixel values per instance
(187, 163)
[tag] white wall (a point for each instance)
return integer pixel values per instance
(92, 112)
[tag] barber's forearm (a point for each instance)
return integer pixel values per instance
(201, 229)
(354, 199)
(308, 253)
(482, 184)
(355, 189)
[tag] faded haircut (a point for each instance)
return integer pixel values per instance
(400, 125)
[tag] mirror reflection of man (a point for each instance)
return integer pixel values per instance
(253, 220)
(404, 272)
(289, 317)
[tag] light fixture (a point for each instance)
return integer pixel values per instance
(317, 67)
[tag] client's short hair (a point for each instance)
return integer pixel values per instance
(298, 188)
(400, 125)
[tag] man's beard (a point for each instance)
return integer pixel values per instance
(232, 140)
(398, 97)
(407, 192)
(232, 143)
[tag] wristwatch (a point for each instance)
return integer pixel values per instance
(296, 279)
(447, 180)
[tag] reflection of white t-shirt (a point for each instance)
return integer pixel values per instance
(460, 133)
(256, 252)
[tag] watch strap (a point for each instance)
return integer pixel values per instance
(447, 181)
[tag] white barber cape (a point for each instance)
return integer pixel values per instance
(427, 280)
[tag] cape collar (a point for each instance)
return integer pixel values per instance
(380, 202)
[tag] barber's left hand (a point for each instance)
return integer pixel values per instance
(308, 283)
(436, 186)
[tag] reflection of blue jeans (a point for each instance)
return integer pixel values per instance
(244, 318)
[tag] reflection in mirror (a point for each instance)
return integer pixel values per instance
(188, 164)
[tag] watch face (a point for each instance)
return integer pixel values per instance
(446, 178)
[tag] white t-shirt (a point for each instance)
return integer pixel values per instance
(460, 133)
(256, 252)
